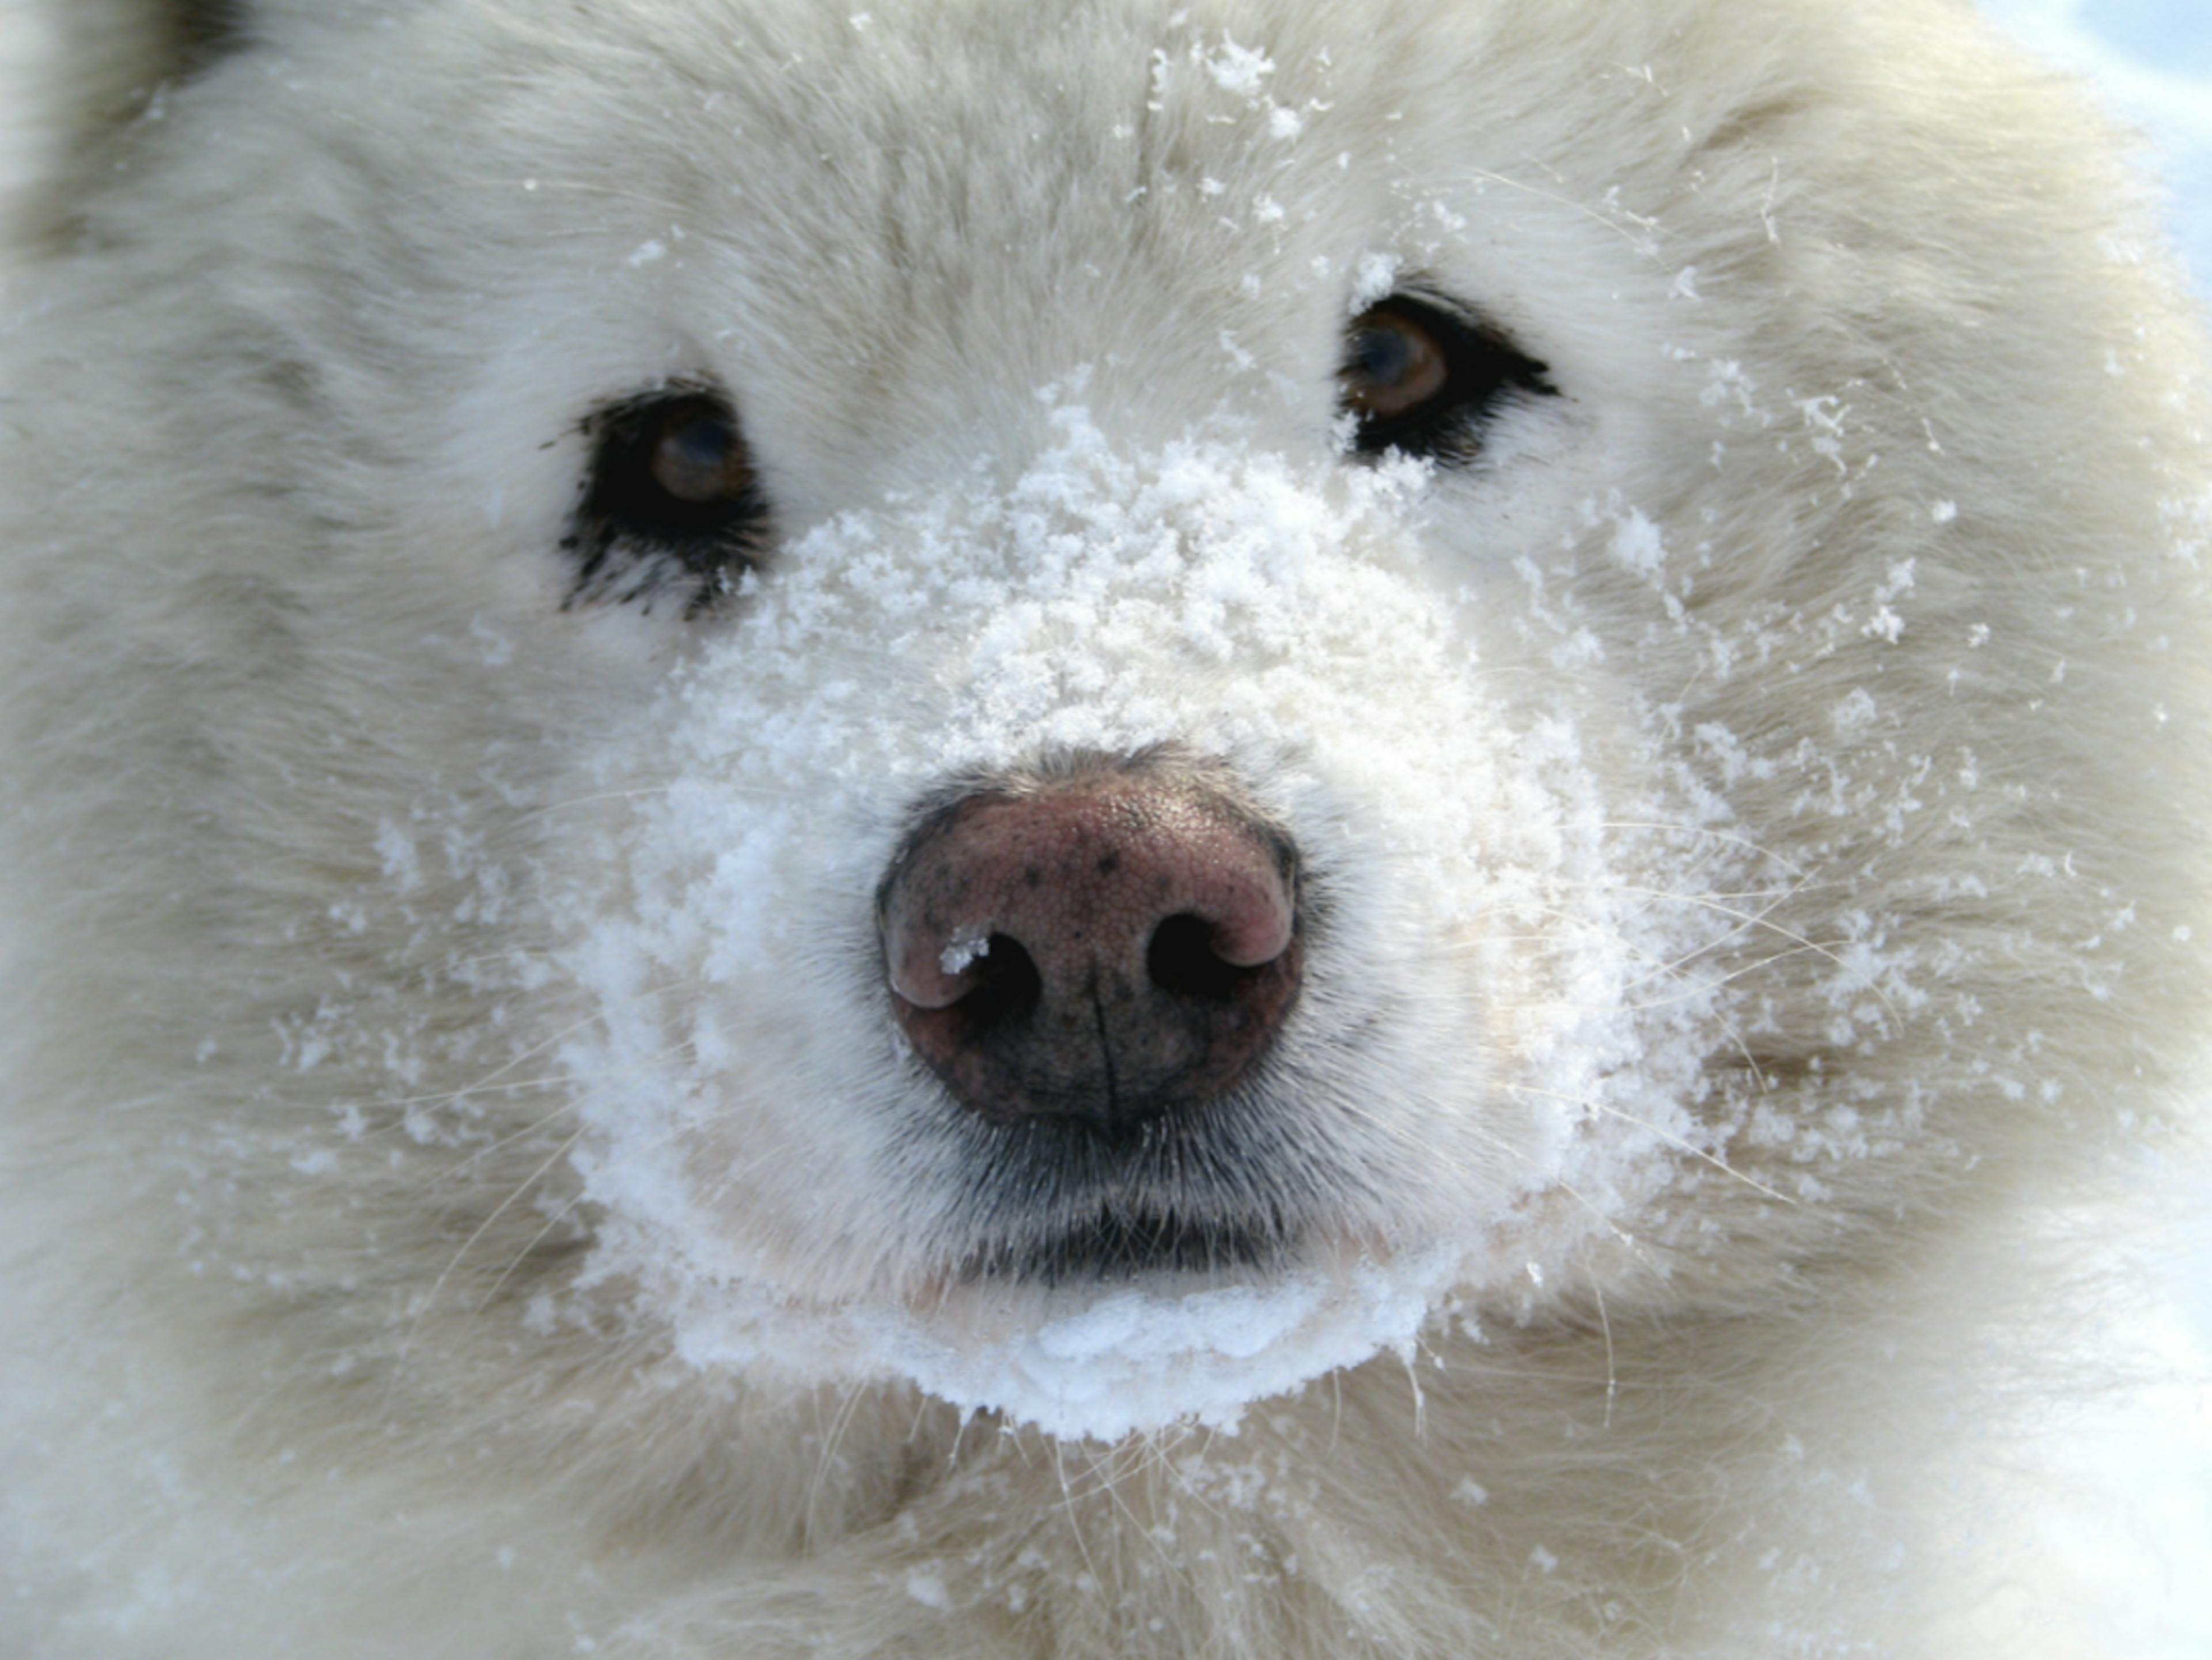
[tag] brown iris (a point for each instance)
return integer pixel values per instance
(1394, 365)
(696, 455)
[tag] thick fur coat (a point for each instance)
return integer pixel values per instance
(1660, 546)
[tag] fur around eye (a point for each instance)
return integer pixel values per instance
(1418, 376)
(671, 501)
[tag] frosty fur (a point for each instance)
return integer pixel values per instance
(459, 1168)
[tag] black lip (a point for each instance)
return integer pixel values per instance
(1123, 1245)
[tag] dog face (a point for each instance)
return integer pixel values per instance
(869, 683)
(1121, 812)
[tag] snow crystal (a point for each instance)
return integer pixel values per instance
(1855, 711)
(1375, 279)
(403, 868)
(962, 951)
(927, 1589)
(1240, 70)
(1638, 546)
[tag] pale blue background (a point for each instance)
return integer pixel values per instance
(2153, 61)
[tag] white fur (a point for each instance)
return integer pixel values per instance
(464, 1193)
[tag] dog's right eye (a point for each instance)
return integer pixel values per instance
(671, 501)
(695, 459)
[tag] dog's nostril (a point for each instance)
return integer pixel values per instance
(1004, 987)
(1185, 957)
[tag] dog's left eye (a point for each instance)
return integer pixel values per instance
(671, 501)
(1418, 379)
(698, 459)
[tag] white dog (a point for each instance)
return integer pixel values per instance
(1174, 828)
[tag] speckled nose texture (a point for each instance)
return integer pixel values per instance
(1108, 949)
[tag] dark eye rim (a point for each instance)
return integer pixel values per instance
(631, 538)
(1484, 371)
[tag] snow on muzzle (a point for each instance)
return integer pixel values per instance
(1192, 690)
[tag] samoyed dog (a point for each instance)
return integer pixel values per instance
(1158, 828)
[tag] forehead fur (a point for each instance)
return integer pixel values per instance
(1176, 200)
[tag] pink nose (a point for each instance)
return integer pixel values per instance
(1108, 947)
